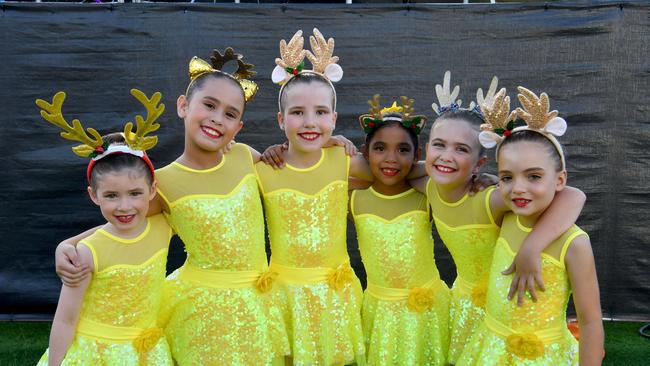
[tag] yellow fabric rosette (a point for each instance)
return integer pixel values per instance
(525, 345)
(420, 299)
(265, 281)
(341, 276)
(479, 294)
(146, 341)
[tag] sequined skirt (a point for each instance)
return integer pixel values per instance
(407, 330)
(211, 324)
(323, 315)
(491, 348)
(88, 351)
(464, 317)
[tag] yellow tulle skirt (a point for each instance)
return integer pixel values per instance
(86, 351)
(223, 326)
(396, 334)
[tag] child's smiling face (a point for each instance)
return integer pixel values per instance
(212, 114)
(391, 155)
(307, 118)
(528, 179)
(123, 197)
(453, 152)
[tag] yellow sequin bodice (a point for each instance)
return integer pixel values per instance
(394, 234)
(306, 211)
(550, 309)
(129, 274)
(219, 220)
(468, 231)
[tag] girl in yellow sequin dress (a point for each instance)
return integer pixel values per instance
(220, 307)
(306, 207)
(469, 225)
(406, 304)
(110, 317)
(532, 172)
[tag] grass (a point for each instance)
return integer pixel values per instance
(23, 343)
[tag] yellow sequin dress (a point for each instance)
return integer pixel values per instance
(535, 333)
(220, 307)
(306, 216)
(406, 304)
(117, 324)
(469, 232)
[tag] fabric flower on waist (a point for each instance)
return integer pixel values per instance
(525, 345)
(420, 299)
(339, 277)
(479, 294)
(265, 281)
(146, 341)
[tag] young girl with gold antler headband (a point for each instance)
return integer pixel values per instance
(406, 304)
(306, 207)
(532, 171)
(469, 225)
(110, 317)
(220, 307)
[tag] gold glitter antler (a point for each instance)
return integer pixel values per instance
(51, 112)
(497, 114)
(244, 70)
(536, 109)
(322, 52)
(292, 54)
(375, 106)
(407, 106)
(137, 140)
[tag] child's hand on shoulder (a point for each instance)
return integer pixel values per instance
(527, 269)
(479, 183)
(340, 140)
(274, 155)
(68, 265)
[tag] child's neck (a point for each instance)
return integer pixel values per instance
(126, 234)
(453, 192)
(200, 161)
(302, 159)
(529, 221)
(390, 190)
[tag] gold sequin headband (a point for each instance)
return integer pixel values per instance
(292, 61)
(244, 71)
(500, 121)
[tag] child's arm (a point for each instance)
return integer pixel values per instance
(67, 261)
(67, 312)
(580, 265)
(558, 218)
(420, 184)
(273, 155)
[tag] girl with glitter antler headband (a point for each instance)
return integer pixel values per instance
(221, 307)
(406, 304)
(306, 207)
(110, 317)
(532, 172)
(469, 225)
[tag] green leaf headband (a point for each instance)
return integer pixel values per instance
(395, 113)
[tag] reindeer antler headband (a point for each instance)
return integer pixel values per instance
(292, 61)
(536, 113)
(244, 71)
(399, 113)
(447, 97)
(94, 146)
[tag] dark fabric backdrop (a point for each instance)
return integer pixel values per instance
(591, 58)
